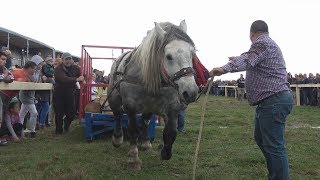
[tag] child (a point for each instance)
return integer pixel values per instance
(11, 124)
(48, 70)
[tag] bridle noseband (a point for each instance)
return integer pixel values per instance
(188, 71)
(182, 73)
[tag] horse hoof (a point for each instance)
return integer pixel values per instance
(166, 154)
(117, 141)
(134, 164)
(146, 145)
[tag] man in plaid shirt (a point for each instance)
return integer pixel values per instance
(267, 87)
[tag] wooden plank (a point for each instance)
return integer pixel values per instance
(305, 85)
(15, 85)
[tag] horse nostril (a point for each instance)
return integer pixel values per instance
(185, 94)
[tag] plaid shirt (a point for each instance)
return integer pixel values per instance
(265, 69)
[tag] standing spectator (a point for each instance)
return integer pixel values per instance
(11, 124)
(318, 89)
(48, 70)
(51, 114)
(181, 117)
(27, 97)
(66, 75)
(312, 94)
(99, 77)
(7, 77)
(241, 85)
(9, 59)
(305, 91)
(22, 75)
(43, 96)
(267, 87)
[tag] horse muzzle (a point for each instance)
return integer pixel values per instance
(190, 96)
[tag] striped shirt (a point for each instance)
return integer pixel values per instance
(265, 69)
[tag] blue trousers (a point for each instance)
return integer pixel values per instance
(181, 115)
(269, 132)
(43, 110)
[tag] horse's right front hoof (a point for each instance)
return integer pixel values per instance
(117, 141)
(166, 154)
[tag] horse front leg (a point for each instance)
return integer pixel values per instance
(134, 162)
(115, 105)
(145, 139)
(169, 133)
(117, 136)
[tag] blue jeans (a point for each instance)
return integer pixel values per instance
(43, 110)
(181, 115)
(269, 132)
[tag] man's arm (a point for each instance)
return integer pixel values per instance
(61, 76)
(8, 77)
(247, 60)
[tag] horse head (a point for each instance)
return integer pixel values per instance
(166, 55)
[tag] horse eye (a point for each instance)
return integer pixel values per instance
(169, 57)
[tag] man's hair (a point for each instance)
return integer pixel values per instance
(29, 64)
(259, 26)
(2, 54)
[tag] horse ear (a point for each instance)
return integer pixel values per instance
(159, 29)
(183, 26)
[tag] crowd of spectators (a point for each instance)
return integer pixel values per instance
(25, 112)
(309, 96)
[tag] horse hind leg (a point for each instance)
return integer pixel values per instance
(134, 163)
(145, 139)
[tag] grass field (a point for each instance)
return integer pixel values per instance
(227, 151)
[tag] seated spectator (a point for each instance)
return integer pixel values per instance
(11, 124)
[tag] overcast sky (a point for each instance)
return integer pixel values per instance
(219, 28)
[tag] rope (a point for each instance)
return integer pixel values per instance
(204, 103)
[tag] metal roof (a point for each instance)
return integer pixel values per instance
(19, 40)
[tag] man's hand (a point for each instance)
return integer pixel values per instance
(80, 79)
(216, 72)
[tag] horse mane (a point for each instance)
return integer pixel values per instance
(150, 54)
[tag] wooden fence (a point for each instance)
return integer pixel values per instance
(296, 86)
(15, 85)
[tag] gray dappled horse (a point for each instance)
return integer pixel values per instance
(152, 79)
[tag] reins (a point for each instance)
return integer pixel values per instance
(204, 103)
